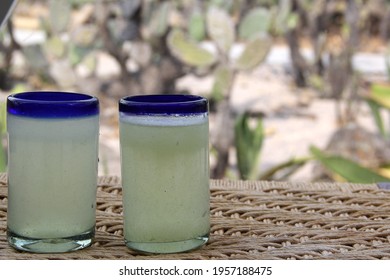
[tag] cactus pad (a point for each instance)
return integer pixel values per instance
(187, 51)
(254, 53)
(256, 23)
(220, 28)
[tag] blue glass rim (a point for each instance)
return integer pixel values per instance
(52, 104)
(164, 104)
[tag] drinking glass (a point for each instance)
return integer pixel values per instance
(52, 170)
(165, 172)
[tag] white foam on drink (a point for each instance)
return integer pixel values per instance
(164, 120)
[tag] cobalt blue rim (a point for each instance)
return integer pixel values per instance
(52, 104)
(164, 104)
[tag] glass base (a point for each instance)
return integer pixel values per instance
(51, 245)
(167, 247)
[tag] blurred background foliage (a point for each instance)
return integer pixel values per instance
(156, 42)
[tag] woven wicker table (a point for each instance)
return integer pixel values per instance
(253, 220)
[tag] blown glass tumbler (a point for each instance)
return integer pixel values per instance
(165, 172)
(52, 170)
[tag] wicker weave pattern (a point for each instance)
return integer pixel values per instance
(253, 220)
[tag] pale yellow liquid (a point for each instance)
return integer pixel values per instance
(52, 176)
(165, 177)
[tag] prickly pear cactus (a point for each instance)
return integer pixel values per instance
(54, 47)
(254, 53)
(189, 52)
(60, 12)
(220, 28)
(159, 21)
(196, 26)
(255, 24)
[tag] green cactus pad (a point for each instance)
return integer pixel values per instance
(159, 21)
(220, 27)
(60, 13)
(256, 23)
(187, 51)
(36, 57)
(254, 53)
(280, 16)
(54, 47)
(196, 26)
(77, 53)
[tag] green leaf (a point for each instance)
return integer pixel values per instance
(220, 27)
(375, 109)
(187, 51)
(380, 93)
(254, 53)
(255, 24)
(287, 168)
(349, 170)
(248, 143)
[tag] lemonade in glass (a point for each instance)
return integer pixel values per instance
(52, 170)
(165, 172)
